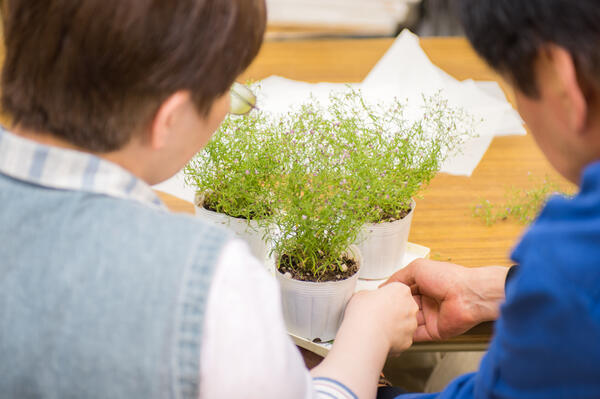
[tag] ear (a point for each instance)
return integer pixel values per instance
(569, 100)
(167, 118)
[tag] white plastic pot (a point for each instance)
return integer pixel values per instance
(249, 231)
(315, 309)
(383, 245)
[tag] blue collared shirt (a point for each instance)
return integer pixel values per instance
(546, 342)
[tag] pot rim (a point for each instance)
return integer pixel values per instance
(199, 204)
(413, 204)
(357, 256)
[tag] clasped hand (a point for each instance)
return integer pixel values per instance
(451, 298)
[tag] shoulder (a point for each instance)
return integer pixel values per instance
(564, 242)
(127, 232)
(151, 222)
(551, 312)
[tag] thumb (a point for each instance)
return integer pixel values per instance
(406, 276)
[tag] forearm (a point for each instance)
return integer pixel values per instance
(356, 358)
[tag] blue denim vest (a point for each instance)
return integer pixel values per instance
(100, 297)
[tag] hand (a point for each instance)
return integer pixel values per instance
(451, 298)
(389, 311)
(375, 323)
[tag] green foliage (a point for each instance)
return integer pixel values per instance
(234, 171)
(392, 159)
(318, 217)
(314, 176)
(354, 163)
(521, 205)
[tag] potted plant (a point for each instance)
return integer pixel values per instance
(232, 176)
(314, 226)
(391, 159)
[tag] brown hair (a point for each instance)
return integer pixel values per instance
(92, 72)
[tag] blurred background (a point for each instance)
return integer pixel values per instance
(296, 19)
(302, 19)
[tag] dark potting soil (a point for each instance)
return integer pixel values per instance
(208, 207)
(207, 204)
(387, 218)
(287, 265)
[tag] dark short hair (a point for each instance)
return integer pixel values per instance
(94, 72)
(510, 33)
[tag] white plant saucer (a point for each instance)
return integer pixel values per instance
(413, 251)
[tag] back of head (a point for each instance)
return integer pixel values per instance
(94, 72)
(509, 34)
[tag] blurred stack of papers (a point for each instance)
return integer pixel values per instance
(405, 73)
(358, 17)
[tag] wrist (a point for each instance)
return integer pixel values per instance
(357, 356)
(487, 286)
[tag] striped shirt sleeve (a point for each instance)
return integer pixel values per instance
(327, 388)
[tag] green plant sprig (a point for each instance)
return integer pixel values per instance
(521, 205)
(316, 222)
(393, 158)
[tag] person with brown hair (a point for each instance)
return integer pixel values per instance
(103, 292)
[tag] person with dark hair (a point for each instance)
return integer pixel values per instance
(545, 342)
(103, 292)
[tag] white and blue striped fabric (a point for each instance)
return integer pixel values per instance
(67, 169)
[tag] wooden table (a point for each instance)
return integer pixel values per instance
(443, 218)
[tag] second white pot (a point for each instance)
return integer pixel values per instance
(249, 231)
(315, 309)
(383, 246)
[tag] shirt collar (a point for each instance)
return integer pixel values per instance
(66, 169)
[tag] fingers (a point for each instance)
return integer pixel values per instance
(418, 300)
(420, 314)
(415, 289)
(402, 288)
(420, 318)
(421, 334)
